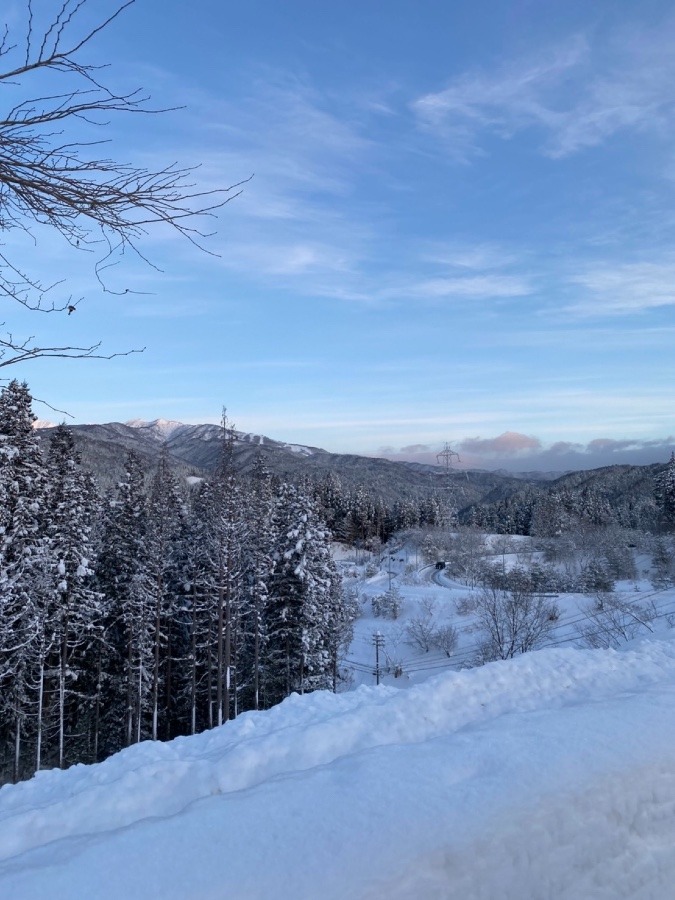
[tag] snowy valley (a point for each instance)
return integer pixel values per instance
(212, 698)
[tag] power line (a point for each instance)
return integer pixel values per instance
(431, 663)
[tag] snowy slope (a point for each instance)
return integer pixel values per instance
(423, 590)
(549, 776)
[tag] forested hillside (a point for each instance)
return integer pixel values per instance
(365, 497)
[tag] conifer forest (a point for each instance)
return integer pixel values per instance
(149, 613)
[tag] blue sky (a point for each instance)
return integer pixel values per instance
(460, 228)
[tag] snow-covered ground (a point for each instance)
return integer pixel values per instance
(552, 775)
(424, 590)
(548, 776)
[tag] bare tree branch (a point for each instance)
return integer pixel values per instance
(64, 412)
(49, 177)
(12, 351)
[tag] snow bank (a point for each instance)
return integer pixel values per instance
(552, 775)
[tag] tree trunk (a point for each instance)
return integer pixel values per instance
(17, 741)
(220, 642)
(130, 689)
(193, 650)
(155, 671)
(41, 694)
(97, 707)
(256, 662)
(62, 686)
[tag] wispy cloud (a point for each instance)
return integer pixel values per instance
(416, 448)
(304, 222)
(300, 217)
(476, 286)
(625, 288)
(577, 95)
(288, 258)
(476, 256)
(454, 270)
(301, 150)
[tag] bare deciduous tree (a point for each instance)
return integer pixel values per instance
(512, 622)
(613, 621)
(446, 639)
(424, 632)
(420, 631)
(53, 176)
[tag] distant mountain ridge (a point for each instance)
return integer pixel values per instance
(194, 450)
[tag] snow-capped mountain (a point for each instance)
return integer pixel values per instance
(161, 428)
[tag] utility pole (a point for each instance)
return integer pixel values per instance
(378, 642)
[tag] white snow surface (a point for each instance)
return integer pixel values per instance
(548, 776)
(164, 428)
(299, 449)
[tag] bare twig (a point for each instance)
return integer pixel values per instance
(63, 412)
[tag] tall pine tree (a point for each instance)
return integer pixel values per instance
(24, 638)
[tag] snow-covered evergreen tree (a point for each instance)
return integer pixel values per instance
(24, 638)
(214, 594)
(199, 613)
(127, 618)
(341, 613)
(663, 562)
(123, 575)
(75, 607)
(166, 514)
(299, 609)
(257, 569)
(229, 532)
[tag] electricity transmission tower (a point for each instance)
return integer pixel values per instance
(445, 458)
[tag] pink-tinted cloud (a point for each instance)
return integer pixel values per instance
(519, 452)
(510, 443)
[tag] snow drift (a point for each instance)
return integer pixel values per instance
(548, 776)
